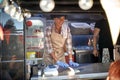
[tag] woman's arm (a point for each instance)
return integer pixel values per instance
(69, 44)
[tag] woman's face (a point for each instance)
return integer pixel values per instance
(59, 22)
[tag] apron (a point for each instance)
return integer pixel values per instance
(58, 43)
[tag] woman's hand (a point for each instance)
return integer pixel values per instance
(74, 64)
(62, 64)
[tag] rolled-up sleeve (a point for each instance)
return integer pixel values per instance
(69, 42)
(48, 43)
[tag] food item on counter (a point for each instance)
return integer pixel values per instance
(31, 55)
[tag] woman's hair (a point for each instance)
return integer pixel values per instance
(57, 16)
(114, 71)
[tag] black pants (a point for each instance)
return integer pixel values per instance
(101, 54)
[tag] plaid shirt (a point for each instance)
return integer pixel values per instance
(48, 42)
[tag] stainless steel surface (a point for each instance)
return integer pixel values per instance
(87, 71)
(78, 51)
(12, 61)
(84, 56)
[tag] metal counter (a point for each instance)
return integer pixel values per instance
(85, 71)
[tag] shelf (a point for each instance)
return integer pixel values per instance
(34, 59)
(30, 48)
(34, 36)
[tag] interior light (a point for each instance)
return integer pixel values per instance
(12, 10)
(6, 9)
(47, 5)
(15, 16)
(112, 10)
(85, 4)
(27, 14)
(20, 18)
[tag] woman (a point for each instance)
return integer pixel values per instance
(58, 38)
